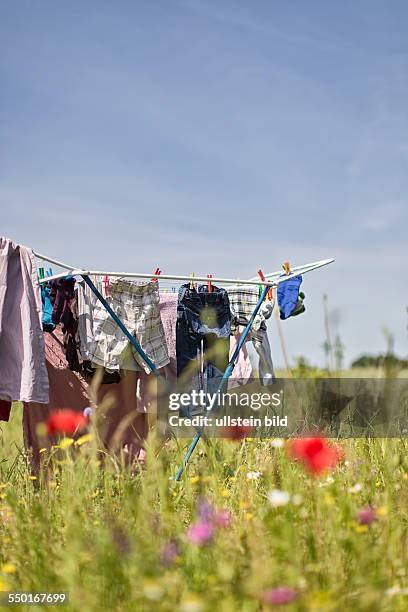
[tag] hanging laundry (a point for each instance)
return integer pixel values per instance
(123, 421)
(203, 330)
(5, 409)
(288, 298)
(261, 344)
(104, 343)
(70, 390)
(168, 314)
(47, 297)
(243, 301)
(300, 307)
(64, 294)
(23, 375)
(242, 371)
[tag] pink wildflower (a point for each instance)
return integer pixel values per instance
(223, 518)
(200, 533)
(280, 596)
(367, 515)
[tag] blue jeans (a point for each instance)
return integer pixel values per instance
(203, 331)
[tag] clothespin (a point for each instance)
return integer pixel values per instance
(270, 292)
(106, 285)
(209, 283)
(49, 272)
(41, 272)
(173, 289)
(192, 282)
(286, 267)
(157, 271)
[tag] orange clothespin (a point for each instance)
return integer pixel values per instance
(157, 272)
(270, 292)
(287, 267)
(209, 283)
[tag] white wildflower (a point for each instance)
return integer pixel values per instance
(253, 475)
(355, 488)
(277, 443)
(278, 498)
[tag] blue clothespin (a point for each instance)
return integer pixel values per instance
(49, 272)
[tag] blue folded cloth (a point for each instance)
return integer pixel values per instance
(288, 296)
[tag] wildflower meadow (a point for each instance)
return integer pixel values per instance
(253, 524)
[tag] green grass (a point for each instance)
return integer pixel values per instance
(99, 533)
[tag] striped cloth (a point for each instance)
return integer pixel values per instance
(137, 306)
(242, 303)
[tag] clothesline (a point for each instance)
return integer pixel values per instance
(271, 279)
(267, 281)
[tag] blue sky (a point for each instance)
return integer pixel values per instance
(219, 137)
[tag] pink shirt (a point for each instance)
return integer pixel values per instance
(23, 374)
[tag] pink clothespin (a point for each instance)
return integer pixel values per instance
(157, 272)
(106, 285)
(270, 292)
(209, 283)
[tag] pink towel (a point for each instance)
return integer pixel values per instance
(23, 375)
(168, 313)
(243, 368)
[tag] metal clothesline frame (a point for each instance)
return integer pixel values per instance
(271, 280)
(74, 271)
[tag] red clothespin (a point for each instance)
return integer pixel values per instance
(287, 267)
(270, 292)
(106, 285)
(157, 272)
(209, 283)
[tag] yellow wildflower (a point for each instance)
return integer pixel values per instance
(66, 443)
(381, 511)
(83, 439)
(8, 568)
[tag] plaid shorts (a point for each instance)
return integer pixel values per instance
(137, 306)
(242, 303)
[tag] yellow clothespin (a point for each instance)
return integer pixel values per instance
(192, 281)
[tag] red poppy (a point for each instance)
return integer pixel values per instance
(316, 454)
(65, 421)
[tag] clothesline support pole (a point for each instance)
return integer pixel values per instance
(226, 375)
(123, 328)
